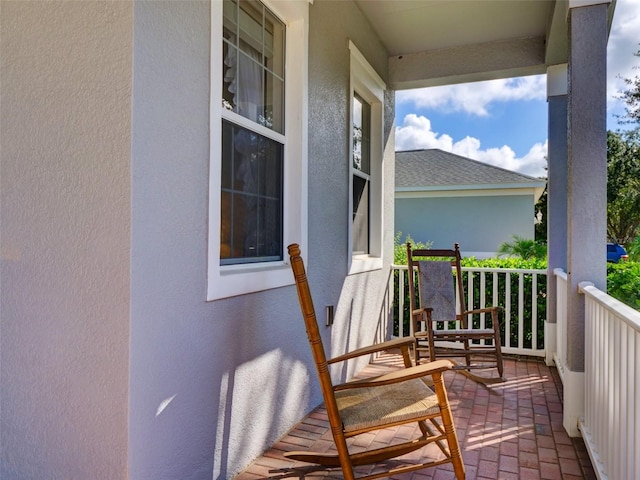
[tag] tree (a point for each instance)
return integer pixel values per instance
(623, 186)
(631, 97)
(540, 213)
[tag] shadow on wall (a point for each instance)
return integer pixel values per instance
(256, 400)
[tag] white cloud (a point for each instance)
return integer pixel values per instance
(475, 98)
(623, 43)
(415, 134)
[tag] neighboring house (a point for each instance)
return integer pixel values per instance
(446, 198)
(158, 157)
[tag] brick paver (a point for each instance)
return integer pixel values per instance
(508, 430)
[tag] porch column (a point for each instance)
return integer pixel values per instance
(556, 195)
(586, 184)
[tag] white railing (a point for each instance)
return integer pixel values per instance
(524, 315)
(560, 356)
(611, 423)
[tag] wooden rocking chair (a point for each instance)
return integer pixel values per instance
(435, 308)
(393, 399)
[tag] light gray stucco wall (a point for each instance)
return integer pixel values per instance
(113, 363)
(215, 383)
(212, 383)
(357, 297)
(478, 224)
(65, 202)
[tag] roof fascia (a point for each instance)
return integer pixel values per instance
(440, 191)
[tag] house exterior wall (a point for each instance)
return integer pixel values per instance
(65, 223)
(333, 24)
(214, 383)
(114, 365)
(479, 224)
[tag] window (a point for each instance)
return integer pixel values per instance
(361, 177)
(366, 164)
(258, 162)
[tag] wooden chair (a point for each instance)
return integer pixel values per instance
(393, 399)
(434, 308)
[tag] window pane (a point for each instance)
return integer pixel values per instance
(274, 44)
(253, 65)
(361, 135)
(251, 216)
(360, 215)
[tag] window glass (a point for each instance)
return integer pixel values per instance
(253, 63)
(361, 135)
(252, 163)
(360, 215)
(361, 170)
(251, 206)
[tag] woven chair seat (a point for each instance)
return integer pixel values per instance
(367, 407)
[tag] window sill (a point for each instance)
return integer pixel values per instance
(364, 263)
(231, 281)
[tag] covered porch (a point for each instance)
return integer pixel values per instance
(508, 431)
(117, 360)
(543, 422)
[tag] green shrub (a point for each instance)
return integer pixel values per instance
(400, 248)
(623, 282)
(633, 249)
(523, 248)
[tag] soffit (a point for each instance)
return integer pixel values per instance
(412, 26)
(482, 38)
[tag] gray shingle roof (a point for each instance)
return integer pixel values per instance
(434, 167)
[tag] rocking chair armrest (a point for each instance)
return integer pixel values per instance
(418, 311)
(483, 310)
(378, 347)
(402, 375)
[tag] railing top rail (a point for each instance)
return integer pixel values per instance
(511, 270)
(485, 269)
(625, 312)
(558, 272)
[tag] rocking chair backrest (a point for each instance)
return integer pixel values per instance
(437, 286)
(313, 333)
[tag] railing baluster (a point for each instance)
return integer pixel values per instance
(521, 310)
(534, 311)
(483, 303)
(401, 303)
(507, 309)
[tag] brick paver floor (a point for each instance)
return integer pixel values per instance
(511, 430)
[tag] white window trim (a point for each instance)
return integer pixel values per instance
(368, 84)
(231, 280)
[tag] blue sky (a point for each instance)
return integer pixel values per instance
(504, 122)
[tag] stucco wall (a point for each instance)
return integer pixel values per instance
(333, 24)
(65, 135)
(114, 365)
(212, 383)
(478, 224)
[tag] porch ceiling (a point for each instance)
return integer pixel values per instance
(436, 42)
